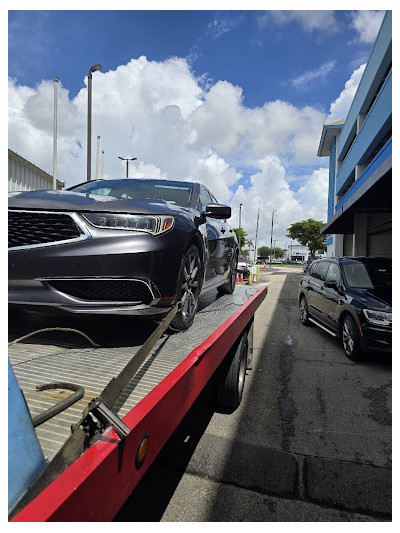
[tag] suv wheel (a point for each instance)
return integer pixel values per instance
(304, 311)
(350, 339)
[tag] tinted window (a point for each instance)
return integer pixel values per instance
(174, 192)
(312, 269)
(368, 275)
(205, 198)
(333, 273)
(319, 270)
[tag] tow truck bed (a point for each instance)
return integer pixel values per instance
(156, 400)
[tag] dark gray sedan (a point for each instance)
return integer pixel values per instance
(120, 246)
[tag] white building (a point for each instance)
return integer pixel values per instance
(298, 252)
(25, 176)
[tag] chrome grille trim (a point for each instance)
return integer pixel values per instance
(85, 233)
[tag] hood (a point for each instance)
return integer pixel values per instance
(72, 201)
(379, 299)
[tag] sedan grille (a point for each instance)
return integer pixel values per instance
(105, 290)
(30, 228)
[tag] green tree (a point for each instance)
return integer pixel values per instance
(263, 252)
(243, 240)
(307, 233)
(279, 252)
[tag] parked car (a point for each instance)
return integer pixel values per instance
(307, 264)
(243, 268)
(120, 246)
(350, 298)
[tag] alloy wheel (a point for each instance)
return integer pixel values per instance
(190, 284)
(348, 337)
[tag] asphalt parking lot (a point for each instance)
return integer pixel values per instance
(311, 440)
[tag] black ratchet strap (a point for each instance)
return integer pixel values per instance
(84, 431)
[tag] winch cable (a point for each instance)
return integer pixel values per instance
(84, 431)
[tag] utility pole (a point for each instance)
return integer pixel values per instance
(240, 229)
(97, 156)
(272, 231)
(55, 135)
(89, 126)
(255, 244)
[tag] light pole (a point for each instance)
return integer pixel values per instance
(272, 231)
(240, 222)
(89, 128)
(127, 159)
(97, 156)
(55, 135)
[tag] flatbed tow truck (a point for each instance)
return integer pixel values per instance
(91, 449)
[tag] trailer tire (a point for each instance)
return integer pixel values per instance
(233, 374)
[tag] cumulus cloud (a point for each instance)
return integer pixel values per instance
(308, 20)
(340, 107)
(162, 114)
(367, 24)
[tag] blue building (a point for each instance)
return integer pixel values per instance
(360, 161)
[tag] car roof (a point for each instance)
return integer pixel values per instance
(362, 259)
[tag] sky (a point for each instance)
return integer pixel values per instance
(235, 99)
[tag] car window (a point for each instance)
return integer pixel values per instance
(312, 269)
(205, 198)
(319, 270)
(333, 273)
(357, 276)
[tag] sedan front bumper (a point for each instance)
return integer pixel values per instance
(112, 271)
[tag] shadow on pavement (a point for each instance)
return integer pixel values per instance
(271, 409)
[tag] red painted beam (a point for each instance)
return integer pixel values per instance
(96, 486)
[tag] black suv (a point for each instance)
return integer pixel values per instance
(350, 298)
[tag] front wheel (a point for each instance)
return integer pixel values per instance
(188, 289)
(350, 339)
(304, 311)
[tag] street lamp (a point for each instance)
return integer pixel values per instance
(127, 159)
(272, 231)
(89, 128)
(240, 220)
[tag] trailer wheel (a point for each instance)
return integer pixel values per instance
(233, 375)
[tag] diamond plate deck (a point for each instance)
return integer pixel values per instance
(61, 356)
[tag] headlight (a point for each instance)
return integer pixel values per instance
(154, 224)
(378, 317)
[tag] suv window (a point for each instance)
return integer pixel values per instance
(333, 273)
(319, 270)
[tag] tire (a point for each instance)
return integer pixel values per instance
(350, 339)
(188, 289)
(304, 316)
(229, 287)
(232, 375)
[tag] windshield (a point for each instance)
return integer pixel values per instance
(369, 275)
(174, 192)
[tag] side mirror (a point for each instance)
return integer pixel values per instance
(331, 284)
(217, 211)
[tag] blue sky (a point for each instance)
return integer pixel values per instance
(269, 59)
(235, 99)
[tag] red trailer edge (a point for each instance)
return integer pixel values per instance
(95, 487)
